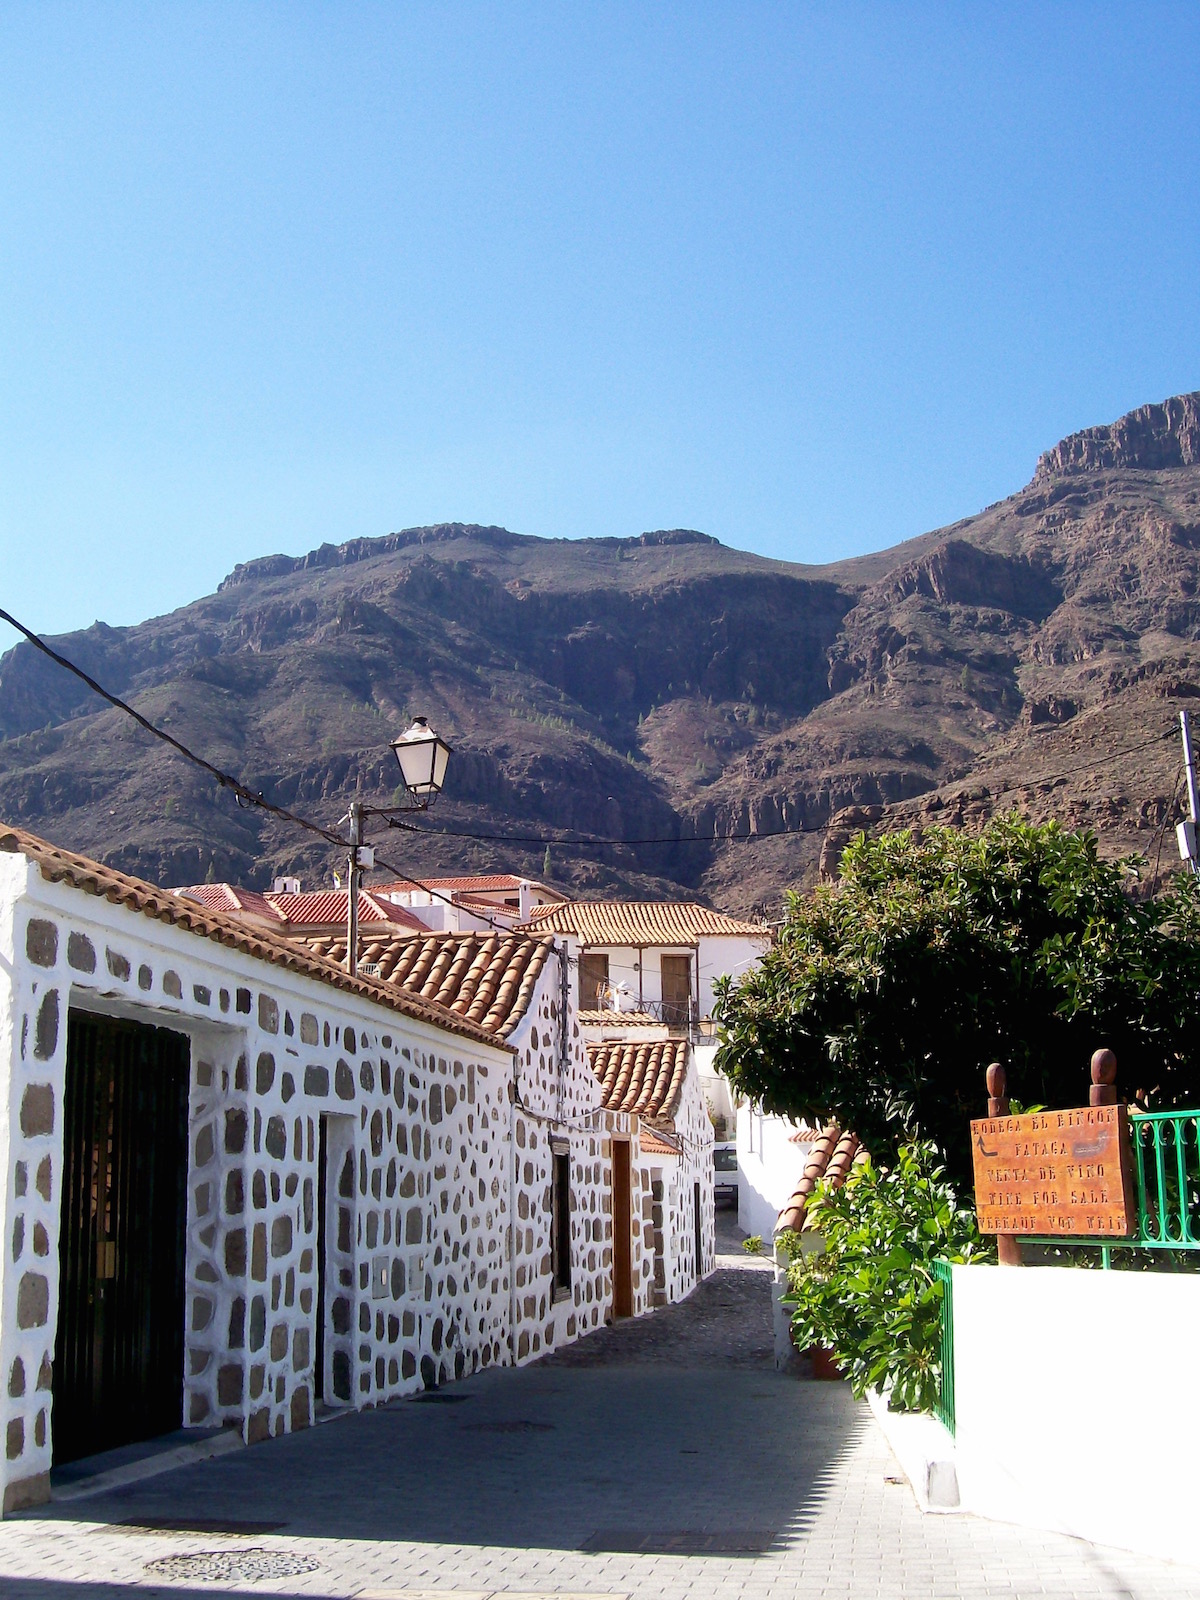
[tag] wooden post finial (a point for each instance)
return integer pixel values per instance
(1104, 1077)
(997, 1087)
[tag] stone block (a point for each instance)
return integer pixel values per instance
(276, 1140)
(259, 1426)
(81, 952)
(264, 1073)
(316, 1080)
(258, 1322)
(258, 1253)
(235, 1131)
(279, 1341)
(309, 1032)
(118, 965)
(145, 976)
(45, 1033)
(300, 1350)
(281, 1236)
(343, 1081)
(173, 985)
(16, 1379)
(237, 1324)
(235, 1252)
(268, 1014)
(287, 1087)
(26, 1492)
(14, 1441)
(33, 1300)
(202, 994)
(300, 1408)
(230, 1383)
(37, 1111)
(41, 942)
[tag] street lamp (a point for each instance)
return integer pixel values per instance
(422, 755)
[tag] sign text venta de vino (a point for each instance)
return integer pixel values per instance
(1055, 1172)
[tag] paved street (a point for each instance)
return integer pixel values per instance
(663, 1459)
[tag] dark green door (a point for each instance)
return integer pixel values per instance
(118, 1358)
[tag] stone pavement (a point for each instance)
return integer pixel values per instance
(665, 1459)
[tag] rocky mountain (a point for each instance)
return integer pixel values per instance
(661, 688)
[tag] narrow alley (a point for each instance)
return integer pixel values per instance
(662, 1458)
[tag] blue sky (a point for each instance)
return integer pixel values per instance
(812, 278)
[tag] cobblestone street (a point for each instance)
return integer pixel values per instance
(664, 1459)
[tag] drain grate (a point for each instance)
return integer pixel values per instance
(684, 1542)
(518, 1426)
(232, 1566)
(434, 1397)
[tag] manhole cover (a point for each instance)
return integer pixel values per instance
(236, 1566)
(519, 1426)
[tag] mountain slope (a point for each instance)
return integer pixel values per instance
(656, 687)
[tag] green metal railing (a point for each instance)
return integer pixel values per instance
(1166, 1164)
(944, 1407)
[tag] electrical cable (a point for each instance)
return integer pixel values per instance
(252, 799)
(241, 793)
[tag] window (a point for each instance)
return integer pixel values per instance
(725, 1160)
(560, 1224)
(593, 977)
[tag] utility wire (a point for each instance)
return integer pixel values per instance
(241, 793)
(251, 798)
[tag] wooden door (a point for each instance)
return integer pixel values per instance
(622, 1246)
(118, 1357)
(676, 990)
(593, 981)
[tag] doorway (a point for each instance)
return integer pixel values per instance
(119, 1352)
(622, 1237)
(676, 990)
(698, 1209)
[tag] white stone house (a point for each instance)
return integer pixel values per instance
(470, 902)
(237, 1183)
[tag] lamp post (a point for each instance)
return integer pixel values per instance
(422, 756)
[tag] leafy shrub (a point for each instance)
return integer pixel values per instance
(870, 1296)
(752, 1244)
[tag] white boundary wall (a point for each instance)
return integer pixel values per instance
(1077, 1399)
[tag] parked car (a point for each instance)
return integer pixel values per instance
(725, 1174)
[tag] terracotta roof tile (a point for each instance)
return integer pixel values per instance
(488, 978)
(645, 1077)
(309, 908)
(832, 1155)
(618, 1019)
(653, 1144)
(639, 922)
(106, 883)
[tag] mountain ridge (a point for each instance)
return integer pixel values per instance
(659, 685)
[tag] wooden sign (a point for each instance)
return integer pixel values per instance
(1055, 1172)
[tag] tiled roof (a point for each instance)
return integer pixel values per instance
(653, 1144)
(310, 908)
(488, 978)
(618, 1019)
(639, 922)
(225, 897)
(832, 1155)
(481, 883)
(63, 866)
(645, 1077)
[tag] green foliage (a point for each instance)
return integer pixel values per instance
(752, 1244)
(885, 996)
(871, 1297)
(546, 868)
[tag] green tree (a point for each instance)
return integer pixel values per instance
(885, 996)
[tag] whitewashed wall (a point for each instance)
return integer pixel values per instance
(769, 1167)
(1077, 1402)
(427, 1127)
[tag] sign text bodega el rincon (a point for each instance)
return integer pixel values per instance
(1055, 1172)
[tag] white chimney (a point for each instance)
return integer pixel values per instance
(286, 886)
(525, 904)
